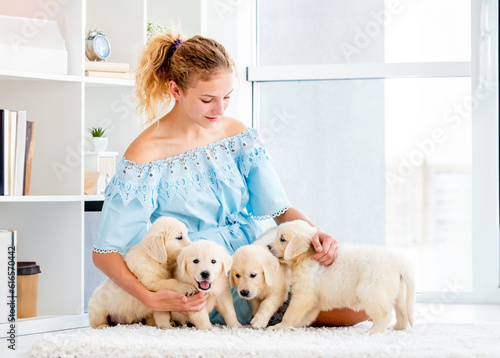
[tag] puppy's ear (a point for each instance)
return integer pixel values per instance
(227, 261)
(154, 245)
(231, 280)
(296, 245)
(181, 262)
(270, 266)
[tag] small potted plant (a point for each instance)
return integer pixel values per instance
(100, 141)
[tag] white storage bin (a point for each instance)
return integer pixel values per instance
(32, 45)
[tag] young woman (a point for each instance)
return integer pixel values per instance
(208, 170)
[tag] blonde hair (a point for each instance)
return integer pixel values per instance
(162, 61)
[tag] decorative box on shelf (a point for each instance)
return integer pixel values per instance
(32, 45)
(99, 169)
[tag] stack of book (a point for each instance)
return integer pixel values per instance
(108, 70)
(17, 139)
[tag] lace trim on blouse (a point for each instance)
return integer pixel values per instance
(187, 173)
(104, 251)
(272, 216)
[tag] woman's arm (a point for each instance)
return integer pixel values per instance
(326, 246)
(113, 266)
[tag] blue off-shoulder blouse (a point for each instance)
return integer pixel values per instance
(218, 191)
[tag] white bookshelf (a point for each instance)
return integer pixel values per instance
(51, 221)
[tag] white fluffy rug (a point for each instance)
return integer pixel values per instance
(426, 340)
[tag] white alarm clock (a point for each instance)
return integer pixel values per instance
(97, 47)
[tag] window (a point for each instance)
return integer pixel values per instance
(367, 108)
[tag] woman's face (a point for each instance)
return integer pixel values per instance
(206, 101)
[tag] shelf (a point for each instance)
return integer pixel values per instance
(34, 325)
(40, 198)
(89, 82)
(93, 197)
(107, 82)
(30, 76)
(102, 154)
(50, 198)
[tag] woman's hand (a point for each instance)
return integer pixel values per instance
(167, 300)
(326, 248)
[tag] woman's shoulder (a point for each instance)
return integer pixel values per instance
(233, 127)
(153, 144)
(142, 149)
(238, 132)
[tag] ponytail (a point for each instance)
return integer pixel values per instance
(153, 76)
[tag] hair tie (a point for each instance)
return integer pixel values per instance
(176, 44)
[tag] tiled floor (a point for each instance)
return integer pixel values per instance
(424, 313)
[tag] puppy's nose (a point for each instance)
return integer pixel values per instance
(244, 293)
(205, 274)
(269, 247)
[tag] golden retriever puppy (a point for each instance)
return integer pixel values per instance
(361, 278)
(261, 279)
(205, 264)
(151, 261)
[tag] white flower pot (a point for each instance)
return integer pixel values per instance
(100, 144)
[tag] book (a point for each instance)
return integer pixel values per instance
(11, 165)
(4, 122)
(7, 145)
(16, 152)
(106, 66)
(103, 74)
(8, 282)
(20, 151)
(28, 156)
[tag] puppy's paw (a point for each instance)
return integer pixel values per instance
(164, 325)
(259, 322)
(205, 327)
(399, 326)
(279, 326)
(102, 326)
(188, 289)
(374, 330)
(233, 323)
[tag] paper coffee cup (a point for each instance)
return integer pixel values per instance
(27, 289)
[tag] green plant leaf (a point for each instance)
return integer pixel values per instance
(97, 131)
